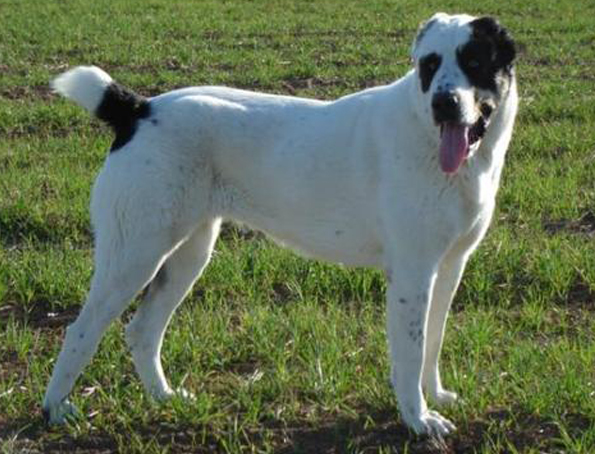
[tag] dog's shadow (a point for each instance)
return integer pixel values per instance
(376, 430)
(372, 430)
(379, 430)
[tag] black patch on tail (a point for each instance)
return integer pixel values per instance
(121, 108)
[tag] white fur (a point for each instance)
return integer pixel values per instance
(355, 181)
(85, 85)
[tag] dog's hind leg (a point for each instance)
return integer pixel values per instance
(122, 269)
(144, 334)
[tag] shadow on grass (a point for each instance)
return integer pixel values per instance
(517, 428)
(33, 435)
(583, 226)
(18, 226)
(373, 431)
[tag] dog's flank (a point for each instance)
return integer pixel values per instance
(118, 106)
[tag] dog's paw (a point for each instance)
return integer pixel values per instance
(183, 393)
(60, 413)
(431, 423)
(443, 397)
(169, 393)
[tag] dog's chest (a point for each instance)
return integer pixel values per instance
(448, 209)
(468, 204)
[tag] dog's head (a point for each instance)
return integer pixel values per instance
(463, 71)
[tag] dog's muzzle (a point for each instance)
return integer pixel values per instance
(456, 136)
(446, 107)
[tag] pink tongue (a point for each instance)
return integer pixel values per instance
(454, 146)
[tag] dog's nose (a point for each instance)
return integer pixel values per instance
(446, 106)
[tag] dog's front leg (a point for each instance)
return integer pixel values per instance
(408, 299)
(449, 276)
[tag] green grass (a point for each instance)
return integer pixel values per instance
(284, 354)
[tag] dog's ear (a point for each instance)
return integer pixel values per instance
(422, 30)
(488, 28)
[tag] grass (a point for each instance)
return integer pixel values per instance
(284, 354)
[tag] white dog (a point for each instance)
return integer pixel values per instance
(400, 177)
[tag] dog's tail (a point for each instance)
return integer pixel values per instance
(93, 89)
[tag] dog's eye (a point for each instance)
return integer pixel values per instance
(430, 63)
(428, 66)
(473, 64)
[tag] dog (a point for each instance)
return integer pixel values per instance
(401, 177)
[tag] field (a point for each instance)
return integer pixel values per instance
(285, 354)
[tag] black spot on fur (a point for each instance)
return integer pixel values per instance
(46, 415)
(428, 65)
(488, 55)
(416, 335)
(121, 108)
(415, 323)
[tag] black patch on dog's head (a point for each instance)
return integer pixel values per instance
(428, 65)
(489, 53)
(121, 108)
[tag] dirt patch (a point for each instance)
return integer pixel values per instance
(33, 436)
(282, 293)
(33, 92)
(584, 226)
(38, 315)
(243, 368)
(580, 294)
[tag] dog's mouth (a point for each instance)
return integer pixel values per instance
(456, 140)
